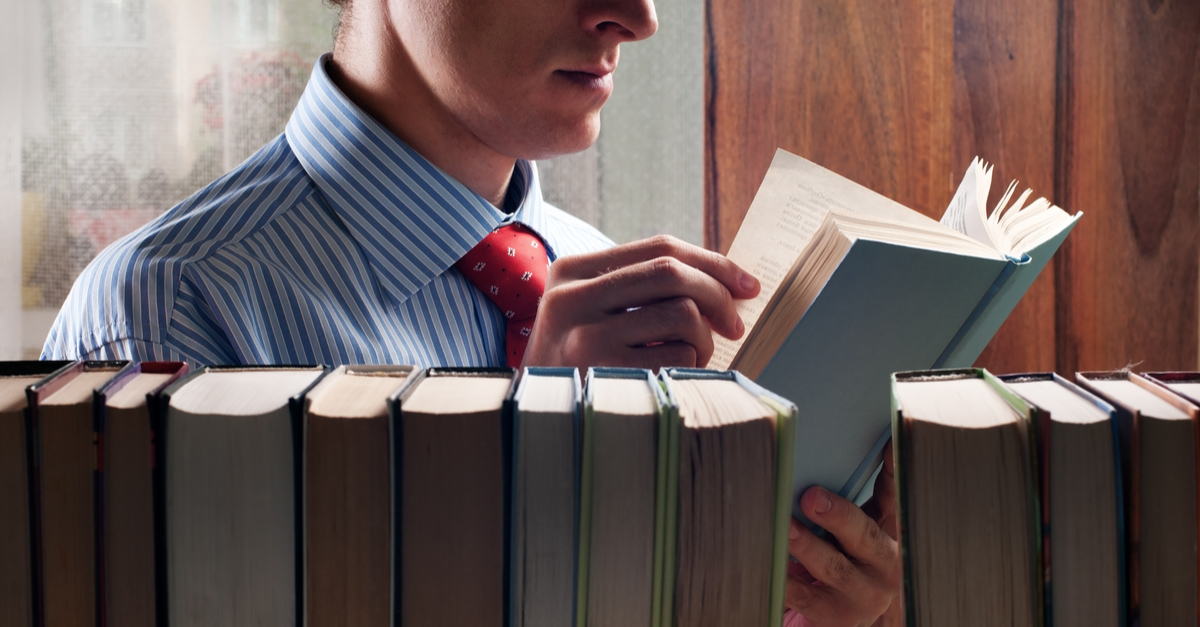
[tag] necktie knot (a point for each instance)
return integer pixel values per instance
(510, 266)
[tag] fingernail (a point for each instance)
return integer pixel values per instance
(739, 327)
(824, 503)
(793, 531)
(746, 280)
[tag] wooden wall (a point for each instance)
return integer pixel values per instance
(1093, 103)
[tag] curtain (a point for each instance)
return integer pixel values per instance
(112, 111)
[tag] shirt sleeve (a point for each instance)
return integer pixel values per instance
(133, 350)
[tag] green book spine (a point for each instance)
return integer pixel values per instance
(670, 508)
(660, 504)
(585, 514)
(785, 453)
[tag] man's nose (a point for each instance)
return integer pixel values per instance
(626, 20)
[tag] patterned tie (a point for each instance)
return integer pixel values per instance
(510, 266)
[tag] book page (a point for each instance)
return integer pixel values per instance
(966, 211)
(790, 204)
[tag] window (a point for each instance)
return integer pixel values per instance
(114, 22)
(159, 97)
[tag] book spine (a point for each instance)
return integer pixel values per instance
(98, 507)
(988, 297)
(33, 454)
(899, 461)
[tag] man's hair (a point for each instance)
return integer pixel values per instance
(342, 6)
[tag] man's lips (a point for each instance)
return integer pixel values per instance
(591, 78)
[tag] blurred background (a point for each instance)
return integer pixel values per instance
(112, 111)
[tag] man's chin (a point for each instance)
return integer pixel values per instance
(560, 139)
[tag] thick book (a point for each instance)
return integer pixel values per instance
(622, 504)
(228, 450)
(349, 504)
(1079, 478)
(546, 435)
(728, 500)
(1160, 440)
(16, 569)
(65, 472)
(125, 588)
(966, 499)
(454, 472)
(856, 286)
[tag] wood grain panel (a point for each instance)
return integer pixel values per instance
(1004, 111)
(860, 87)
(1094, 104)
(1130, 160)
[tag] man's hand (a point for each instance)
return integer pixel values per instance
(647, 304)
(858, 584)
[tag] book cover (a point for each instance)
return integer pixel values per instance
(906, 293)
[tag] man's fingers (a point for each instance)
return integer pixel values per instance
(671, 354)
(740, 283)
(811, 600)
(674, 320)
(859, 536)
(660, 279)
(624, 345)
(823, 561)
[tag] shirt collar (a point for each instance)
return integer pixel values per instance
(411, 219)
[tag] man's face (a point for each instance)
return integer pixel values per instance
(526, 77)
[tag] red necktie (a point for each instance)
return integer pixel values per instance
(510, 266)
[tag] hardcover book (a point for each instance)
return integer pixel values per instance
(454, 477)
(728, 498)
(349, 500)
(16, 589)
(64, 464)
(545, 497)
(1160, 441)
(228, 443)
(967, 500)
(856, 286)
(622, 499)
(125, 587)
(1079, 480)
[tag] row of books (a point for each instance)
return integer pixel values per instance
(134, 494)
(1029, 499)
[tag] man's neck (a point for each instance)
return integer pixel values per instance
(388, 88)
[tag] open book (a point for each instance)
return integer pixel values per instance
(856, 286)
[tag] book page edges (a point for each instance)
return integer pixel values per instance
(978, 330)
(785, 427)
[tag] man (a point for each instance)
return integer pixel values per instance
(338, 241)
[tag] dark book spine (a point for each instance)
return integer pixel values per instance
(32, 449)
(98, 508)
(158, 482)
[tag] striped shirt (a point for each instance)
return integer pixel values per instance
(333, 244)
